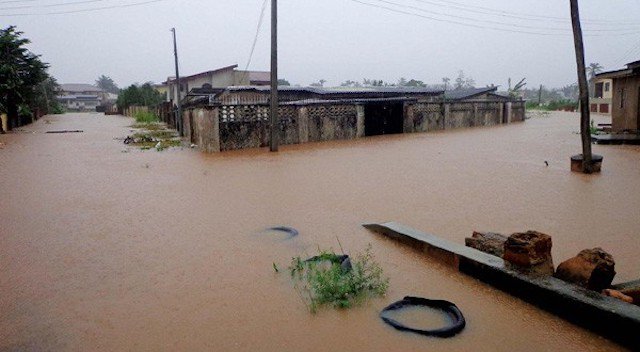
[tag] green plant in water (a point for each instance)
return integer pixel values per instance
(326, 282)
(145, 117)
(592, 128)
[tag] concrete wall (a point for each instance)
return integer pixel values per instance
(229, 127)
(3, 121)
(625, 105)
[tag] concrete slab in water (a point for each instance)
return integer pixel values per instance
(607, 316)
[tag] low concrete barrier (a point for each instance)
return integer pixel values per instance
(604, 315)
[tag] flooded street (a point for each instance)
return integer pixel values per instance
(105, 248)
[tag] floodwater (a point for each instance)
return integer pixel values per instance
(107, 250)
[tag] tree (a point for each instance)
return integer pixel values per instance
(516, 90)
(463, 82)
(350, 83)
(139, 95)
(585, 131)
(415, 83)
(107, 84)
(21, 72)
(593, 69)
(283, 82)
(319, 84)
(445, 81)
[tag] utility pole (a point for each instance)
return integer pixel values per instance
(275, 125)
(179, 103)
(540, 96)
(587, 164)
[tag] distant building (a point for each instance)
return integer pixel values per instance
(487, 93)
(81, 97)
(219, 78)
(625, 97)
(602, 96)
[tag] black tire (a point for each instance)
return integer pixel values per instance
(457, 325)
(286, 229)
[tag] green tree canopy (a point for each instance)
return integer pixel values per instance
(21, 73)
(107, 84)
(140, 95)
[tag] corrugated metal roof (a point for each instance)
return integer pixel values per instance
(341, 90)
(469, 93)
(79, 88)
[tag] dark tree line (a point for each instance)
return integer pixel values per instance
(25, 85)
(139, 95)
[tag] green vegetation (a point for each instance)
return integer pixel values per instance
(145, 117)
(25, 85)
(326, 282)
(139, 95)
(107, 84)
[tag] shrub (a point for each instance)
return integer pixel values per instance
(326, 282)
(145, 117)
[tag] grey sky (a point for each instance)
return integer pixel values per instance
(333, 40)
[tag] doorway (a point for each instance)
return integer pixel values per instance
(383, 118)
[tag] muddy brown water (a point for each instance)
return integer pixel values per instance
(106, 250)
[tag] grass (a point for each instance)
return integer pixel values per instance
(155, 135)
(145, 117)
(325, 282)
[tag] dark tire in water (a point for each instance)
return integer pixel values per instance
(286, 229)
(458, 321)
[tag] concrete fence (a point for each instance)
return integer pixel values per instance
(228, 127)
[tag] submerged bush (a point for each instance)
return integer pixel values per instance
(145, 117)
(325, 281)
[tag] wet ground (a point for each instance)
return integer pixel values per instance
(104, 248)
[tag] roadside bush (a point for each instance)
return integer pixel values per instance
(145, 117)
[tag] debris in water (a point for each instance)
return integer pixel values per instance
(457, 319)
(66, 131)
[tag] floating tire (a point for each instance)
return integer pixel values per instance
(286, 229)
(343, 260)
(457, 325)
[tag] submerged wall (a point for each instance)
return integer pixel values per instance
(228, 127)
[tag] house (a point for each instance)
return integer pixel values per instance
(219, 78)
(625, 97)
(600, 102)
(81, 97)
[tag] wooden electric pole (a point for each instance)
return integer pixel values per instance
(275, 126)
(178, 86)
(587, 164)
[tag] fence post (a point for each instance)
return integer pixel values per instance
(360, 121)
(303, 124)
(446, 114)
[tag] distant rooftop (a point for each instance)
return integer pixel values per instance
(79, 88)
(468, 93)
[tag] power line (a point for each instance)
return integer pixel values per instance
(255, 39)
(84, 10)
(519, 15)
(50, 5)
(500, 23)
(390, 9)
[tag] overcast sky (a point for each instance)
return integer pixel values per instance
(335, 40)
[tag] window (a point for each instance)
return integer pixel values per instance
(598, 93)
(607, 86)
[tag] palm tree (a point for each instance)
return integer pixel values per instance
(593, 69)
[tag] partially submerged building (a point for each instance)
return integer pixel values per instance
(625, 98)
(80, 97)
(601, 100)
(218, 119)
(218, 78)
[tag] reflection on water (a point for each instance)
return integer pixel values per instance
(104, 250)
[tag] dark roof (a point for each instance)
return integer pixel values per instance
(631, 69)
(79, 88)
(462, 94)
(205, 73)
(340, 90)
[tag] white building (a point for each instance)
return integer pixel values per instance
(81, 97)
